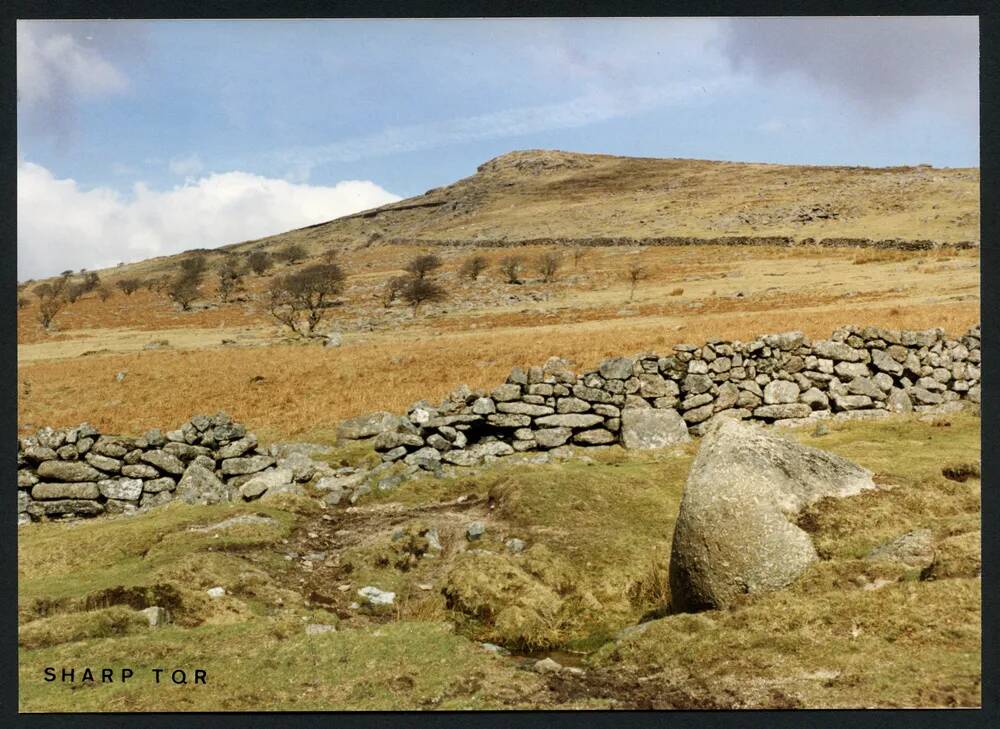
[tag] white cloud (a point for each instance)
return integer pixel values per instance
(60, 225)
(54, 69)
(186, 166)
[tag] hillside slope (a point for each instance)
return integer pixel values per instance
(534, 193)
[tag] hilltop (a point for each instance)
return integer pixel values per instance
(532, 194)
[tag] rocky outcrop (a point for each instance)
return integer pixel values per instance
(735, 533)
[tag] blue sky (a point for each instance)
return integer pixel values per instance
(143, 138)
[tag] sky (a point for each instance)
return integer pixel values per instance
(145, 138)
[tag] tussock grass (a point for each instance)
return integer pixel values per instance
(271, 665)
(598, 537)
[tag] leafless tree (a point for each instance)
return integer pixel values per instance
(418, 290)
(74, 291)
(302, 299)
(474, 266)
(230, 278)
(392, 289)
(636, 272)
(548, 265)
(422, 265)
(128, 286)
(184, 289)
(259, 262)
(294, 252)
(510, 266)
(51, 300)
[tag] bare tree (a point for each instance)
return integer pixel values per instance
(548, 265)
(230, 278)
(128, 286)
(259, 262)
(184, 289)
(194, 266)
(294, 252)
(51, 300)
(392, 289)
(636, 272)
(75, 290)
(301, 300)
(418, 290)
(473, 267)
(510, 266)
(422, 265)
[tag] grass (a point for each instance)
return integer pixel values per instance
(827, 642)
(598, 538)
(271, 665)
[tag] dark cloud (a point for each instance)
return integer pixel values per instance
(883, 64)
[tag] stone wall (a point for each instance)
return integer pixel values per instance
(653, 400)
(78, 471)
(645, 401)
(673, 240)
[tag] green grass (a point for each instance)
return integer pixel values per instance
(598, 537)
(272, 665)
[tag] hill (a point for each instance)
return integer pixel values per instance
(534, 194)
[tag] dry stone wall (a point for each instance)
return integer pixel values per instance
(210, 459)
(645, 401)
(727, 240)
(653, 400)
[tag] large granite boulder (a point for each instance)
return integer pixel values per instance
(644, 428)
(735, 532)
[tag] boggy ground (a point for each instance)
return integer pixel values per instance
(596, 530)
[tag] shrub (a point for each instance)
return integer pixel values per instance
(636, 272)
(473, 267)
(259, 262)
(230, 278)
(510, 266)
(300, 300)
(22, 302)
(418, 290)
(128, 286)
(392, 289)
(548, 265)
(677, 291)
(184, 289)
(294, 252)
(423, 264)
(103, 293)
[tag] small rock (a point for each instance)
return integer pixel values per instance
(514, 545)
(155, 615)
(475, 530)
(375, 597)
(320, 628)
(216, 592)
(547, 665)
